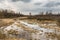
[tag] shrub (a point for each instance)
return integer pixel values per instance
(2, 36)
(58, 22)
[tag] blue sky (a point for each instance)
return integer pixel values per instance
(34, 6)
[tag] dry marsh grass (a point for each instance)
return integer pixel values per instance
(6, 22)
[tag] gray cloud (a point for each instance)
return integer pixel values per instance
(1, 0)
(52, 4)
(29, 5)
(15, 0)
(37, 3)
(25, 1)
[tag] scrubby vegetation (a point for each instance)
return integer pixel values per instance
(11, 14)
(2, 36)
(58, 22)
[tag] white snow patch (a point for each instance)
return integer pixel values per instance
(13, 27)
(37, 27)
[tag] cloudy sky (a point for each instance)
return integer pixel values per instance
(34, 6)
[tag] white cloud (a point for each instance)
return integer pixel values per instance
(28, 6)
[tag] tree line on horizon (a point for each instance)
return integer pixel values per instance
(9, 14)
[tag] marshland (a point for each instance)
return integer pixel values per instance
(16, 26)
